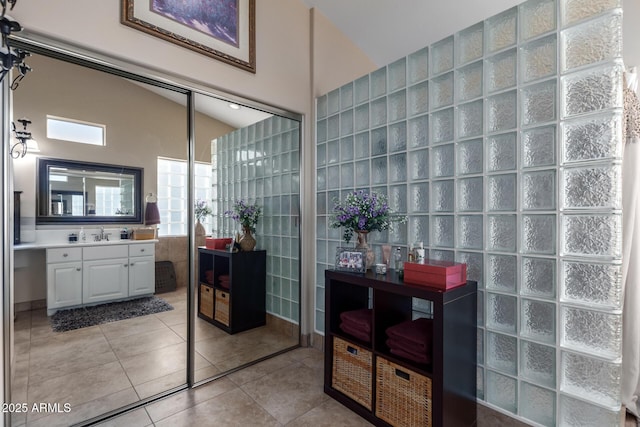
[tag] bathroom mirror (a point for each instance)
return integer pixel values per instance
(82, 192)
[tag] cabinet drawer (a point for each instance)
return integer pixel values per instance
(64, 254)
(352, 372)
(105, 252)
(142, 249)
(221, 313)
(206, 301)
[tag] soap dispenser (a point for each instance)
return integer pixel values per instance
(82, 236)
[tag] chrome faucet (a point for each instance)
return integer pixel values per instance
(102, 236)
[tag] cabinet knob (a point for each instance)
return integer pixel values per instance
(126, 265)
(78, 269)
(141, 250)
(132, 264)
(65, 255)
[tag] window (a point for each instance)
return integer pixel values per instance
(75, 131)
(107, 200)
(173, 192)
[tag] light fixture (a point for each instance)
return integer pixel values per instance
(234, 106)
(19, 149)
(10, 57)
(32, 146)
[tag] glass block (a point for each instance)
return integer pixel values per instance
(443, 256)
(361, 89)
(469, 82)
(361, 118)
(322, 106)
(536, 18)
(480, 346)
(469, 232)
(333, 175)
(398, 137)
(418, 132)
(538, 277)
(501, 234)
(397, 106)
(321, 131)
(502, 112)
(538, 234)
(419, 197)
(333, 105)
(502, 192)
(442, 161)
(502, 272)
(538, 320)
(419, 228)
(592, 42)
(346, 176)
(539, 190)
(592, 187)
(594, 235)
(480, 383)
(538, 59)
(577, 10)
(502, 391)
(398, 198)
(418, 65)
(502, 312)
(502, 352)
(442, 231)
(442, 91)
(418, 102)
(501, 30)
(346, 96)
(470, 119)
(479, 303)
(333, 126)
(470, 157)
(442, 126)
(539, 147)
(379, 141)
(537, 404)
(470, 43)
(379, 170)
(346, 149)
(398, 168)
(378, 111)
(442, 56)
(578, 413)
(594, 284)
(361, 142)
(592, 138)
(419, 164)
(592, 90)
(538, 363)
(333, 152)
(321, 155)
(442, 196)
(539, 103)
(378, 83)
(397, 74)
(321, 179)
(501, 71)
(475, 267)
(592, 332)
(470, 194)
(501, 152)
(592, 379)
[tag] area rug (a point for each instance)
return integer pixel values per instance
(76, 318)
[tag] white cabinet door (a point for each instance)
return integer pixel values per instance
(142, 275)
(64, 284)
(104, 280)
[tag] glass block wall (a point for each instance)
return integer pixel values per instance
(261, 163)
(503, 143)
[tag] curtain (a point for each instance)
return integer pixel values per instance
(631, 247)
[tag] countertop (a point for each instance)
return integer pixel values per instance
(47, 245)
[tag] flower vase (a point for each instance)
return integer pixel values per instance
(247, 242)
(363, 244)
(201, 234)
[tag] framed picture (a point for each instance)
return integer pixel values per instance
(351, 259)
(221, 29)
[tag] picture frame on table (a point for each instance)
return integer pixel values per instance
(351, 260)
(221, 29)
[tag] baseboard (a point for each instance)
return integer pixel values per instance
(317, 341)
(30, 305)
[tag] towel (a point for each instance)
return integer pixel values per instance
(355, 332)
(360, 319)
(418, 332)
(420, 358)
(408, 346)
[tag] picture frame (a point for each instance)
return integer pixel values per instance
(220, 29)
(351, 259)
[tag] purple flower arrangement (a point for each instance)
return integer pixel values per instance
(361, 211)
(247, 215)
(202, 210)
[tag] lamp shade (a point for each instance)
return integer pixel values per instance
(151, 212)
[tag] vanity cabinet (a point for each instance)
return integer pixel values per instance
(101, 273)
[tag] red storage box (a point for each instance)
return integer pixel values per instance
(211, 243)
(435, 274)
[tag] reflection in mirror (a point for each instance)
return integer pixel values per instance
(71, 191)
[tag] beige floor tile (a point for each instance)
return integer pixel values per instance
(134, 326)
(136, 418)
(46, 341)
(131, 345)
(204, 330)
(206, 373)
(233, 408)
(330, 414)
(289, 392)
(173, 317)
(261, 369)
(159, 385)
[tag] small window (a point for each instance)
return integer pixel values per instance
(75, 131)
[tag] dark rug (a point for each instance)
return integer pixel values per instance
(76, 318)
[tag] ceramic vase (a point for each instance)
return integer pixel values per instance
(201, 234)
(247, 242)
(363, 244)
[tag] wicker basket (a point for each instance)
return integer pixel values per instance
(352, 371)
(403, 397)
(206, 300)
(221, 313)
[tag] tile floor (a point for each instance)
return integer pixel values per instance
(101, 368)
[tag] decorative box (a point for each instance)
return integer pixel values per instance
(144, 233)
(213, 243)
(435, 274)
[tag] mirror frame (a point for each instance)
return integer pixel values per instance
(42, 179)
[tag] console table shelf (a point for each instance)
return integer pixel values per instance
(451, 375)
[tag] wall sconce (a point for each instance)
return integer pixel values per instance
(19, 149)
(10, 57)
(151, 212)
